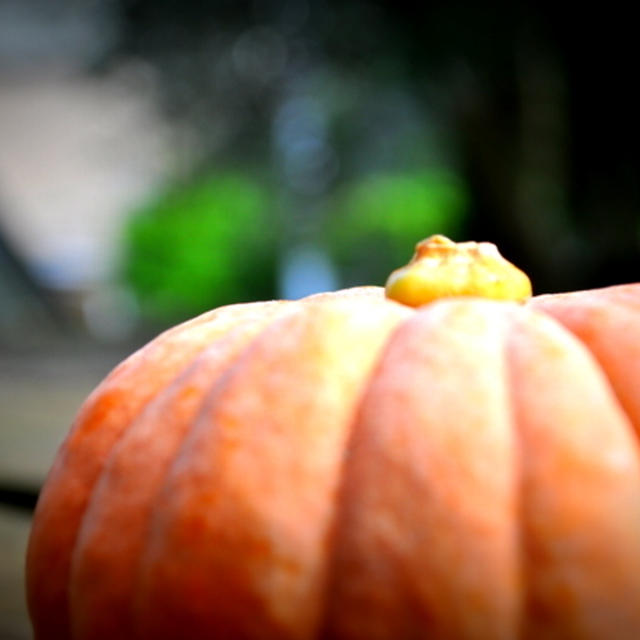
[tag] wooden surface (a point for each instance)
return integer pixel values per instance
(40, 393)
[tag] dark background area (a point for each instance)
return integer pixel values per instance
(537, 102)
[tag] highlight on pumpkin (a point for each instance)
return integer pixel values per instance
(441, 268)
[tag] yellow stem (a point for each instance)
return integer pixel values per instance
(441, 268)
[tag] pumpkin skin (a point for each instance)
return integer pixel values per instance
(348, 467)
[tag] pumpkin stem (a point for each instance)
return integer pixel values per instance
(441, 268)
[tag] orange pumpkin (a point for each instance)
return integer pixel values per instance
(346, 466)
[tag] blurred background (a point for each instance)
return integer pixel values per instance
(162, 157)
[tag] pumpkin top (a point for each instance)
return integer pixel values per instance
(441, 268)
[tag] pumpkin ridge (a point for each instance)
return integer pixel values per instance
(404, 481)
(60, 511)
(602, 319)
(581, 562)
(624, 294)
(211, 362)
(206, 403)
(96, 495)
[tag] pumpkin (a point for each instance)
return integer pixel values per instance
(454, 459)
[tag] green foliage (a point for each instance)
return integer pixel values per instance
(377, 221)
(199, 246)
